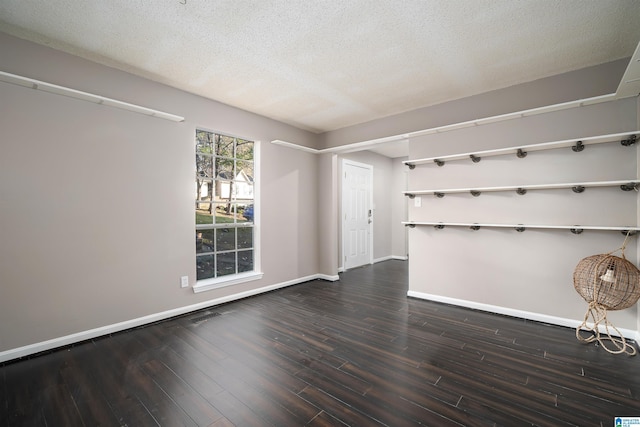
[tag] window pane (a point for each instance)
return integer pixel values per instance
(246, 212)
(245, 261)
(204, 166)
(227, 188)
(203, 213)
(204, 241)
(245, 237)
(244, 181)
(204, 190)
(226, 264)
(217, 190)
(204, 142)
(235, 214)
(224, 169)
(244, 149)
(246, 166)
(225, 239)
(204, 266)
(224, 213)
(224, 146)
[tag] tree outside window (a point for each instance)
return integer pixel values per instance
(224, 192)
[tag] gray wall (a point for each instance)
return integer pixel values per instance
(97, 203)
(399, 206)
(522, 273)
(97, 221)
(328, 207)
(592, 81)
(530, 271)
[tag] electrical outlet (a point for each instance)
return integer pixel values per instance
(184, 282)
(417, 202)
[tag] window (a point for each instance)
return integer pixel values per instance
(224, 208)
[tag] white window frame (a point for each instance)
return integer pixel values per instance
(235, 279)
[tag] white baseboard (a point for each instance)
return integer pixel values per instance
(328, 277)
(341, 269)
(39, 347)
(538, 317)
(387, 258)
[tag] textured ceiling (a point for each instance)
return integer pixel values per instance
(326, 64)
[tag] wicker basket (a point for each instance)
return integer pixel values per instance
(608, 280)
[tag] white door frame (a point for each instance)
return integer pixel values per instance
(347, 162)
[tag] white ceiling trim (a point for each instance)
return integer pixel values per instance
(364, 145)
(296, 146)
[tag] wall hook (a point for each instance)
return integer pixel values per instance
(578, 147)
(521, 191)
(521, 153)
(475, 159)
(475, 227)
(439, 195)
(577, 189)
(439, 162)
(520, 229)
(411, 166)
(411, 225)
(629, 232)
(629, 187)
(438, 226)
(475, 193)
(411, 196)
(629, 141)
(577, 230)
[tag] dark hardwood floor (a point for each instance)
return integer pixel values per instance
(356, 352)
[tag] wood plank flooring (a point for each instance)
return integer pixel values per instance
(356, 352)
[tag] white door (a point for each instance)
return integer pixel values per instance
(357, 215)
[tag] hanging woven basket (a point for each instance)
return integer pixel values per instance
(610, 281)
(606, 282)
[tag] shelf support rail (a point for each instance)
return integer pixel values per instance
(521, 152)
(520, 228)
(629, 187)
(629, 141)
(522, 190)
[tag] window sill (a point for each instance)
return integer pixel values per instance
(210, 284)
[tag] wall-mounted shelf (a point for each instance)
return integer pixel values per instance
(85, 96)
(575, 229)
(576, 187)
(577, 145)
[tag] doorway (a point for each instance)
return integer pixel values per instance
(357, 214)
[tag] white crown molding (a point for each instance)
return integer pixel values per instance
(454, 126)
